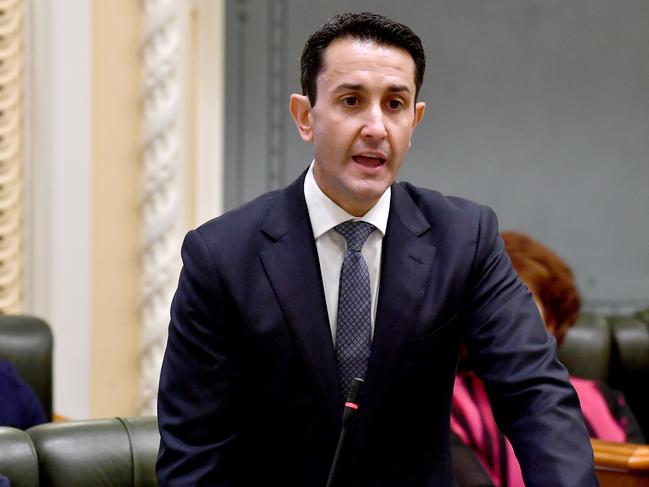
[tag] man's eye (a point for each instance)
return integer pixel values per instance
(350, 101)
(395, 104)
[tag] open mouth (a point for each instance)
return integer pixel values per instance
(369, 160)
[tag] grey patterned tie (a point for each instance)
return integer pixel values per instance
(353, 328)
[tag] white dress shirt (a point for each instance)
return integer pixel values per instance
(325, 215)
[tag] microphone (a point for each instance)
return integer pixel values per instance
(349, 413)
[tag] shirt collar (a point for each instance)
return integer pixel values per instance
(325, 214)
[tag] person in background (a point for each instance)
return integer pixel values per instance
(19, 405)
(553, 288)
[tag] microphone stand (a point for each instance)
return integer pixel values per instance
(349, 413)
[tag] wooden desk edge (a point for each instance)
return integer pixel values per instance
(624, 456)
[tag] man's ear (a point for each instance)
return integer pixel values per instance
(300, 108)
(420, 108)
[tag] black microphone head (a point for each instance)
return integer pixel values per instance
(355, 390)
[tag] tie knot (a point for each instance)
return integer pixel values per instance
(355, 233)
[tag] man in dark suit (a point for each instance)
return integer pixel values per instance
(345, 273)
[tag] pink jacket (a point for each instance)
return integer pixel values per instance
(473, 421)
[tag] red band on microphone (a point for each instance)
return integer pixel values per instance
(351, 405)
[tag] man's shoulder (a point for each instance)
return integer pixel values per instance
(241, 220)
(452, 219)
(8, 373)
(435, 203)
(254, 216)
(11, 384)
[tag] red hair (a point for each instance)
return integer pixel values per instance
(549, 279)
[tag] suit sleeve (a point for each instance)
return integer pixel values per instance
(197, 416)
(533, 402)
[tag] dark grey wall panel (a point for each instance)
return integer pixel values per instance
(538, 108)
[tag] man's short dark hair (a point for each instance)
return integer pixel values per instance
(362, 26)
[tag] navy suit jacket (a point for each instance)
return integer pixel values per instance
(249, 391)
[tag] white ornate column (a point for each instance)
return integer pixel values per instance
(11, 155)
(163, 183)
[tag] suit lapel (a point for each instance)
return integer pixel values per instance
(291, 263)
(407, 258)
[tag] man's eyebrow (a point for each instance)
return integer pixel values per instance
(348, 87)
(359, 87)
(398, 88)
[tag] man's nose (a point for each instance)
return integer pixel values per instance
(374, 124)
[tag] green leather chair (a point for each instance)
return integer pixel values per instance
(145, 440)
(587, 348)
(18, 458)
(27, 342)
(99, 453)
(615, 351)
(630, 367)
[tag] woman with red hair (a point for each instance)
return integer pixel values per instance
(606, 415)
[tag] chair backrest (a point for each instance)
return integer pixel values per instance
(586, 348)
(103, 452)
(613, 350)
(630, 367)
(26, 341)
(18, 459)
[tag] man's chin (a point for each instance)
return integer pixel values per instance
(366, 193)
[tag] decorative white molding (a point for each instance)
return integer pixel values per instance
(163, 195)
(162, 191)
(11, 155)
